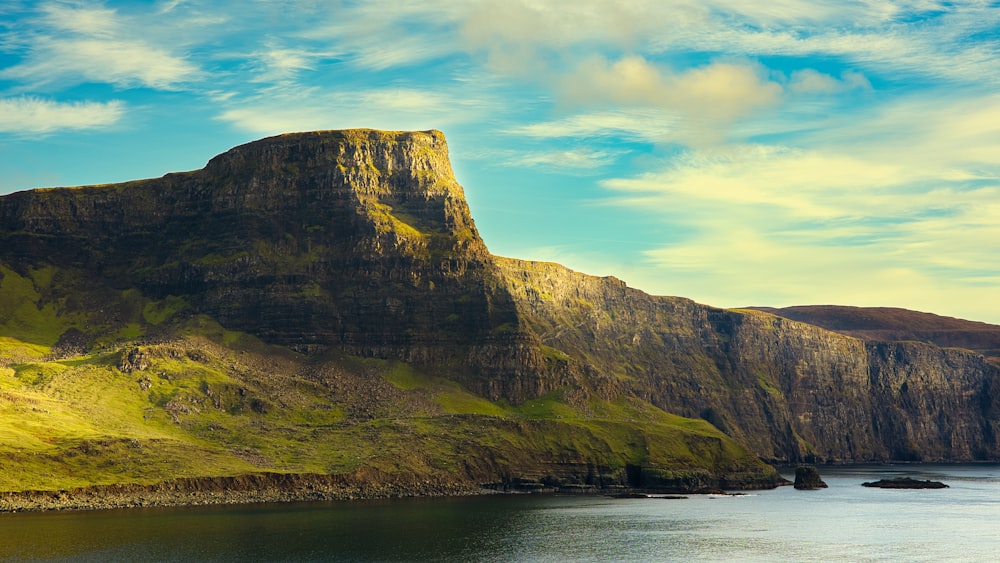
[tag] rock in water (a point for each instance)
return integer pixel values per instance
(905, 483)
(807, 478)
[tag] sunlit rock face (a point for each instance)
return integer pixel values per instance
(357, 240)
(361, 242)
(790, 390)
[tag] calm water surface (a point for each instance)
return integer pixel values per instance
(846, 522)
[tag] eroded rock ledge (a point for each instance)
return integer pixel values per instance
(284, 487)
(242, 489)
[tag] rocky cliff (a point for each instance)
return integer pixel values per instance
(322, 303)
(790, 390)
(356, 240)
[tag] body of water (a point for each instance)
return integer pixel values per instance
(846, 522)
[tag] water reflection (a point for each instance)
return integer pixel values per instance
(844, 522)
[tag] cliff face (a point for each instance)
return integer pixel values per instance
(789, 390)
(889, 324)
(358, 240)
(360, 243)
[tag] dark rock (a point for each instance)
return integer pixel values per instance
(807, 478)
(133, 359)
(905, 483)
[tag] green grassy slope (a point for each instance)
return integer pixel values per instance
(195, 406)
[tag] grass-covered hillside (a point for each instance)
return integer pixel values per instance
(214, 403)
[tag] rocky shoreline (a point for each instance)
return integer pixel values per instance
(242, 489)
(297, 487)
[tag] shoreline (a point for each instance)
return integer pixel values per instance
(242, 489)
(259, 488)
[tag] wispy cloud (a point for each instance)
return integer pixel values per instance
(568, 160)
(122, 63)
(73, 43)
(928, 41)
(382, 35)
(277, 110)
(636, 124)
(900, 218)
(275, 63)
(34, 116)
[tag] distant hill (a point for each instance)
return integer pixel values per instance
(896, 325)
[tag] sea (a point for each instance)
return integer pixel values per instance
(844, 522)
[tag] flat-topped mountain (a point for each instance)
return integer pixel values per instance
(322, 303)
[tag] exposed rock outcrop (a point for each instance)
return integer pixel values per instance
(807, 478)
(359, 241)
(905, 483)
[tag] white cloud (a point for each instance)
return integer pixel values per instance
(400, 51)
(91, 21)
(122, 63)
(382, 35)
(808, 184)
(72, 43)
(637, 124)
(716, 92)
(918, 38)
(810, 81)
(275, 63)
(280, 110)
(522, 28)
(566, 160)
(940, 47)
(33, 116)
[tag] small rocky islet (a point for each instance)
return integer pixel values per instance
(904, 483)
(807, 478)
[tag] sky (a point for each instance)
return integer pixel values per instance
(738, 153)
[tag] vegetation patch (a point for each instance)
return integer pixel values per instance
(156, 312)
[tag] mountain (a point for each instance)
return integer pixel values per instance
(891, 324)
(322, 304)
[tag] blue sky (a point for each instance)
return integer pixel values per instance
(738, 153)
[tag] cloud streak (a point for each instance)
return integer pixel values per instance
(279, 110)
(34, 116)
(72, 44)
(126, 64)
